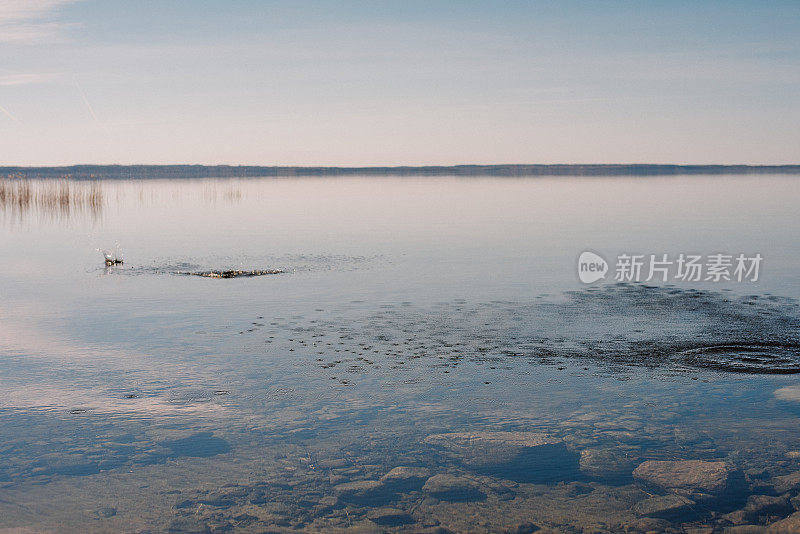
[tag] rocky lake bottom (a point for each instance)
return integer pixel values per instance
(452, 417)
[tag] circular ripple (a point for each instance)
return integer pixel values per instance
(745, 358)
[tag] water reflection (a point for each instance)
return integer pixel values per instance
(63, 199)
(56, 199)
(405, 372)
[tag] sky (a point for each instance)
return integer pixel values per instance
(401, 82)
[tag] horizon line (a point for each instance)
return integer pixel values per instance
(188, 171)
(393, 166)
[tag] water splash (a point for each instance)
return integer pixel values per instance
(112, 258)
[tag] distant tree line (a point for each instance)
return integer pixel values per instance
(139, 172)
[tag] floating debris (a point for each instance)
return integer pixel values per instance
(231, 273)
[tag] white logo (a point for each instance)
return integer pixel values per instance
(591, 267)
(684, 267)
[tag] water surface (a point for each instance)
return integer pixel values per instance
(391, 317)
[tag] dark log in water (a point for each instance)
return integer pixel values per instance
(232, 273)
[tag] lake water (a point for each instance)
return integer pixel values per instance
(431, 324)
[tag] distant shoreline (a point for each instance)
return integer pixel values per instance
(139, 172)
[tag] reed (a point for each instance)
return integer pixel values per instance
(50, 197)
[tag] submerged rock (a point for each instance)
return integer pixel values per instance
(684, 476)
(188, 525)
(198, 445)
(482, 447)
(607, 464)
(662, 505)
(790, 525)
(786, 483)
(405, 479)
(746, 529)
(761, 509)
(518, 456)
(525, 528)
(406, 473)
(389, 517)
(365, 492)
(646, 524)
(359, 486)
(453, 488)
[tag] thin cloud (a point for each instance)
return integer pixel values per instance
(32, 21)
(26, 79)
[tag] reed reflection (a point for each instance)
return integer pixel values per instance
(57, 199)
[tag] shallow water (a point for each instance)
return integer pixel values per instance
(415, 322)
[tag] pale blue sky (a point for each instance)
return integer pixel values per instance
(402, 82)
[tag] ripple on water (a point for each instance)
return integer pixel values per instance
(745, 358)
(616, 326)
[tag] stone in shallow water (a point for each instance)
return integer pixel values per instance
(453, 488)
(389, 517)
(517, 456)
(684, 475)
(199, 445)
(359, 486)
(790, 525)
(365, 492)
(786, 483)
(482, 447)
(608, 464)
(405, 479)
(646, 524)
(73, 467)
(405, 473)
(746, 529)
(663, 505)
(761, 509)
(187, 525)
(525, 528)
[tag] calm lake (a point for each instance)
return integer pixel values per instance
(426, 360)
